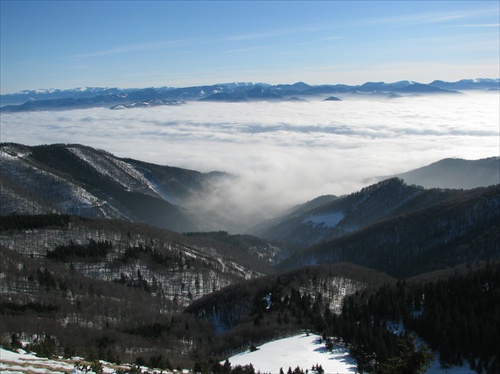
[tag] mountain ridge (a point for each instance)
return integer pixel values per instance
(77, 179)
(57, 99)
(96, 184)
(308, 225)
(462, 228)
(455, 172)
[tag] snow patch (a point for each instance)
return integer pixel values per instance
(21, 362)
(327, 220)
(308, 350)
(300, 350)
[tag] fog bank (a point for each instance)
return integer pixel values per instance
(284, 152)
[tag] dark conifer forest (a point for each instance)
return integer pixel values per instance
(457, 316)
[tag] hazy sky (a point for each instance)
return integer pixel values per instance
(66, 44)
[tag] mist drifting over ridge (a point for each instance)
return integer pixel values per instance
(282, 153)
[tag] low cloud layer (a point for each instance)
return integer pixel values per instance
(285, 153)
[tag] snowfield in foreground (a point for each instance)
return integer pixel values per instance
(28, 363)
(305, 351)
(12, 362)
(300, 350)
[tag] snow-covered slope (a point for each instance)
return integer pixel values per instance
(14, 362)
(301, 350)
(306, 351)
(21, 362)
(74, 179)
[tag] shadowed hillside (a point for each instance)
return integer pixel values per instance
(461, 229)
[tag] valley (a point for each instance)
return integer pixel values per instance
(112, 251)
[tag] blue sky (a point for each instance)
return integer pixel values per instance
(66, 44)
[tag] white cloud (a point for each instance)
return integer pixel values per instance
(133, 48)
(496, 25)
(434, 17)
(269, 33)
(285, 153)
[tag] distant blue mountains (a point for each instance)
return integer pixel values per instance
(119, 98)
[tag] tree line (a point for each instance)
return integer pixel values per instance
(92, 250)
(30, 222)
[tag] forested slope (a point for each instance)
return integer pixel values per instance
(80, 281)
(386, 199)
(462, 229)
(457, 316)
(80, 180)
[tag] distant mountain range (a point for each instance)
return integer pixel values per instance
(90, 97)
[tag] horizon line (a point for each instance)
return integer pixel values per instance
(241, 82)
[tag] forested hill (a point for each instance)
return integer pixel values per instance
(457, 315)
(173, 267)
(257, 310)
(91, 285)
(312, 223)
(344, 215)
(461, 229)
(116, 290)
(80, 180)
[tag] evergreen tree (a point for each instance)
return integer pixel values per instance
(408, 361)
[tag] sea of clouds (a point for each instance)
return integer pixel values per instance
(283, 152)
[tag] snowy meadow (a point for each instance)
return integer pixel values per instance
(284, 152)
(306, 351)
